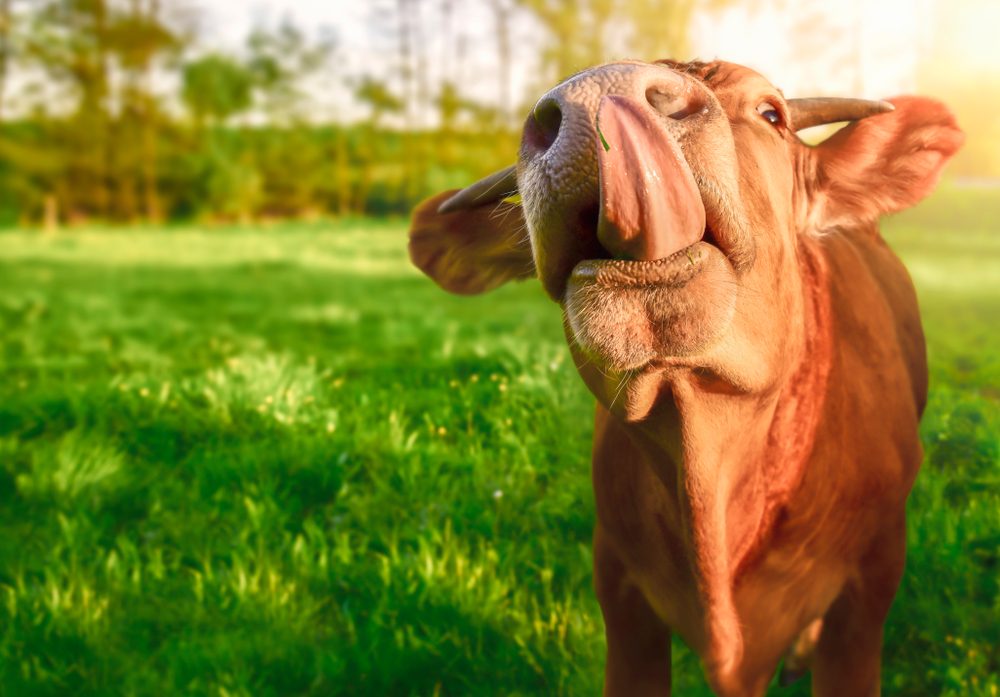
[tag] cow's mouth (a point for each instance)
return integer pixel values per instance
(627, 314)
(674, 292)
(672, 271)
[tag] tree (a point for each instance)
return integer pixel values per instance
(138, 37)
(6, 22)
(69, 41)
(216, 87)
(98, 107)
(502, 17)
(381, 101)
(279, 62)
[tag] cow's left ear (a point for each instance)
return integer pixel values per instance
(881, 164)
(472, 250)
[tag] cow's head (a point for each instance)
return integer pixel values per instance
(665, 205)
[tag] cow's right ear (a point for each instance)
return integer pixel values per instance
(881, 164)
(472, 250)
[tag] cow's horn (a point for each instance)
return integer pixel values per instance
(495, 187)
(814, 111)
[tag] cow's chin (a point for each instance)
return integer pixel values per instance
(629, 315)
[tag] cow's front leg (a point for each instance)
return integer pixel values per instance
(638, 658)
(848, 658)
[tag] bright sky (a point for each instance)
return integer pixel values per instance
(884, 38)
(856, 47)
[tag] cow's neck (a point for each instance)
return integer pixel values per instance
(742, 457)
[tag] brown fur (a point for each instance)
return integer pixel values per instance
(750, 488)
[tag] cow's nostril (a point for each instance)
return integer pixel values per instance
(673, 103)
(547, 118)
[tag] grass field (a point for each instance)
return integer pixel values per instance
(279, 462)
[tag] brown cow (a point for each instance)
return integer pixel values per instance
(754, 346)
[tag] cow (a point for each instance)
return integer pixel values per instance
(754, 346)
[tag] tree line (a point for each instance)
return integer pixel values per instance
(112, 110)
(122, 111)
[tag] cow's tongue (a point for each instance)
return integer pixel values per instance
(650, 204)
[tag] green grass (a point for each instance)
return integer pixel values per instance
(274, 462)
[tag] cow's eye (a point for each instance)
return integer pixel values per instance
(769, 113)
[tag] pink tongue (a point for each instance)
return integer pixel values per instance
(650, 204)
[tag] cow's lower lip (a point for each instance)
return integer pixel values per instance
(625, 314)
(674, 270)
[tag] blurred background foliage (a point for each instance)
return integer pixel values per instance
(129, 110)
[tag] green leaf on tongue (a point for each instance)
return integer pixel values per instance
(597, 124)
